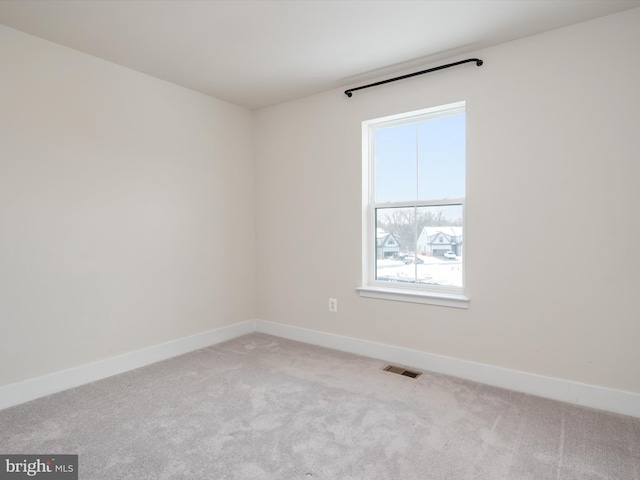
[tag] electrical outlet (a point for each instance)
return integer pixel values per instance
(333, 304)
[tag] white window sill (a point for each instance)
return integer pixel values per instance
(444, 299)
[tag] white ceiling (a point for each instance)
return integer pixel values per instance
(259, 53)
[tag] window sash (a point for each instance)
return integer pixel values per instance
(370, 252)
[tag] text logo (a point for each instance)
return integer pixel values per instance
(49, 467)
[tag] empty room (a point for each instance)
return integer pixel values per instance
(319, 240)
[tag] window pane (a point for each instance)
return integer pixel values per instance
(420, 245)
(440, 244)
(395, 245)
(395, 163)
(441, 158)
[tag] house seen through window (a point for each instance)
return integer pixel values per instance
(414, 182)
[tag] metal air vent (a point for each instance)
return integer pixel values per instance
(401, 371)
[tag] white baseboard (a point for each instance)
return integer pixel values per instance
(626, 403)
(33, 388)
(617, 401)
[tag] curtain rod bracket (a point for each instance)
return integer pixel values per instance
(349, 93)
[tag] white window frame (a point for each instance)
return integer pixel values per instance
(427, 294)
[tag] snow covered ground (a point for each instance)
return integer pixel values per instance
(434, 270)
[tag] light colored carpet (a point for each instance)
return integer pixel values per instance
(261, 407)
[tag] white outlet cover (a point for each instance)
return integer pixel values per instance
(333, 304)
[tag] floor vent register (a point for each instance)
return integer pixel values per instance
(401, 371)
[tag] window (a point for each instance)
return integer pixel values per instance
(414, 192)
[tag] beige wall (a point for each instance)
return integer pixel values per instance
(126, 210)
(553, 181)
(129, 206)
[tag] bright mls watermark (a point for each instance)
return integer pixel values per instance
(51, 467)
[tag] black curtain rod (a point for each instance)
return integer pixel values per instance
(479, 62)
